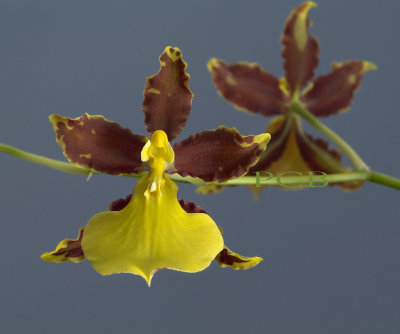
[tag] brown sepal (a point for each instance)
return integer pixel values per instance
(334, 92)
(95, 143)
(248, 87)
(218, 155)
(167, 97)
(300, 49)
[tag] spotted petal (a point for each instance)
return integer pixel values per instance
(101, 145)
(300, 49)
(248, 87)
(150, 233)
(167, 97)
(334, 92)
(218, 155)
(66, 250)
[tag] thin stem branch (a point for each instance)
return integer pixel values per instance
(384, 179)
(355, 159)
(260, 180)
(41, 160)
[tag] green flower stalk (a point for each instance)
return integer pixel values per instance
(260, 180)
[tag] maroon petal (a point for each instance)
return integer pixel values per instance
(218, 155)
(248, 87)
(334, 92)
(300, 49)
(101, 145)
(167, 97)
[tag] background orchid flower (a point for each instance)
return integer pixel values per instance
(250, 88)
(151, 229)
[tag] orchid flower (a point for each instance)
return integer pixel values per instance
(150, 229)
(250, 88)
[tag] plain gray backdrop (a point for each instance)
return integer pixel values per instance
(331, 259)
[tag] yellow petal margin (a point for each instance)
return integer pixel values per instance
(152, 232)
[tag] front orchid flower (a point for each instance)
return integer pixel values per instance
(150, 229)
(248, 87)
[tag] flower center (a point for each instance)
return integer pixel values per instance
(159, 152)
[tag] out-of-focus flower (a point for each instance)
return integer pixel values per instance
(150, 229)
(250, 88)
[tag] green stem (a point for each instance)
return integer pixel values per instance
(384, 179)
(38, 159)
(355, 159)
(260, 180)
(306, 179)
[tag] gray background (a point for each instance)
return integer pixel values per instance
(331, 259)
